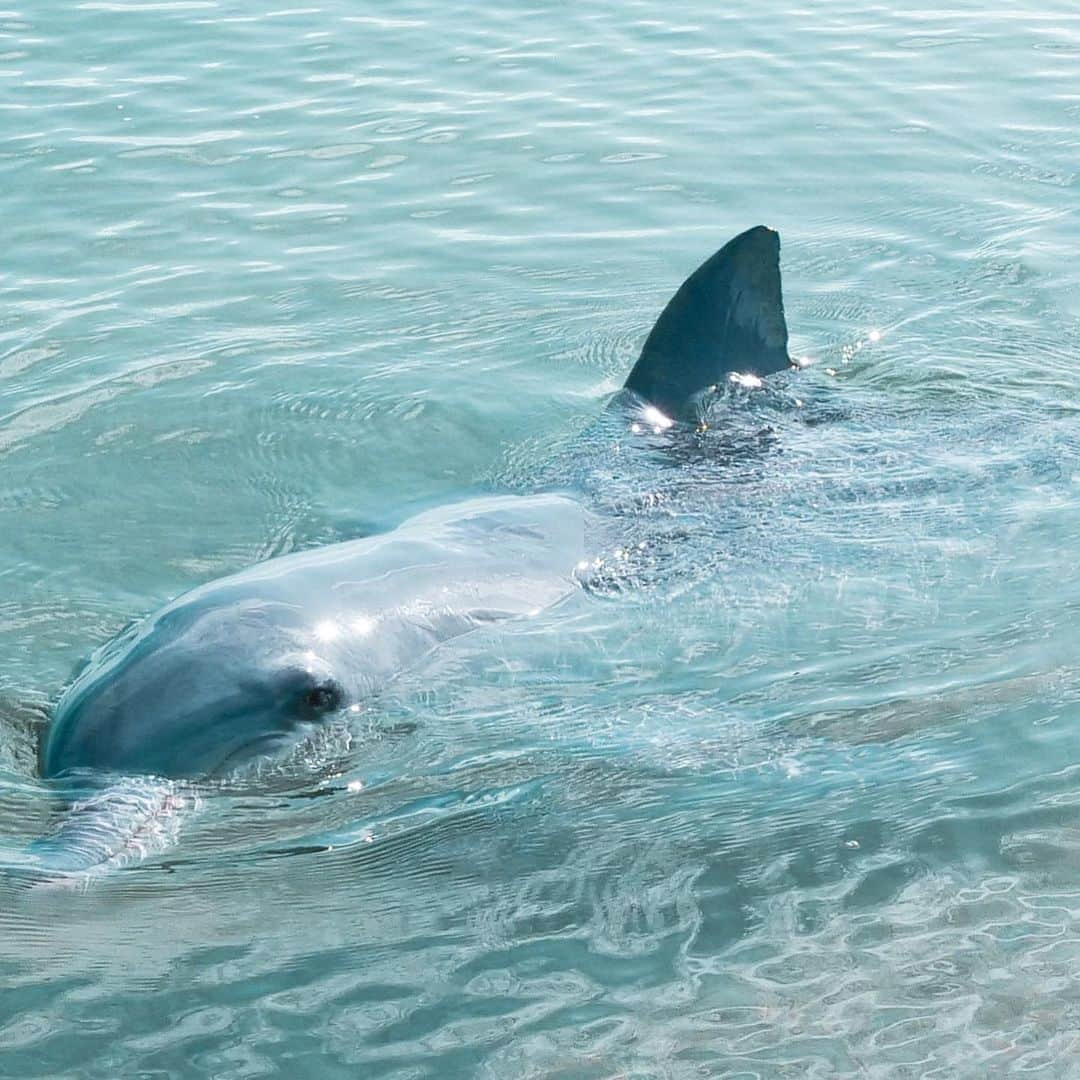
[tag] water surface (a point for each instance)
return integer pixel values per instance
(793, 792)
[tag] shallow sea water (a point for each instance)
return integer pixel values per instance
(796, 792)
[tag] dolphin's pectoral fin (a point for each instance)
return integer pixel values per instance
(116, 826)
(727, 317)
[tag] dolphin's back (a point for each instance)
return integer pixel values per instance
(489, 557)
(728, 316)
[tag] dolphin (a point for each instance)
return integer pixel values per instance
(241, 667)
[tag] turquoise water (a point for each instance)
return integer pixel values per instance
(799, 794)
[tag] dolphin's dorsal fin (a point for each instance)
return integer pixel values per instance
(728, 316)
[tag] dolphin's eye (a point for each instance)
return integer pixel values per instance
(325, 696)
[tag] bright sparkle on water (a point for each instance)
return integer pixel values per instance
(656, 419)
(746, 381)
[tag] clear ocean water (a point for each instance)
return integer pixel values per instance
(797, 796)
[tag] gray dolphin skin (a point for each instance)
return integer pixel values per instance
(244, 665)
(726, 318)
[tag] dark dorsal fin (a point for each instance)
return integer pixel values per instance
(728, 316)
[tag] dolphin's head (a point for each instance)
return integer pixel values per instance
(197, 691)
